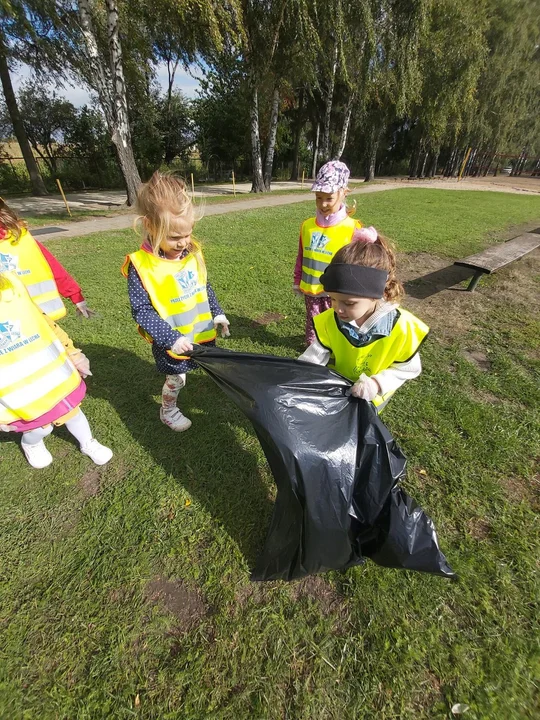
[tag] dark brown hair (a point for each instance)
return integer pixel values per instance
(379, 254)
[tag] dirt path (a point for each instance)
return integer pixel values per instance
(527, 186)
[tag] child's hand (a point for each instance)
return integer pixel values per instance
(296, 290)
(82, 363)
(222, 320)
(84, 310)
(365, 388)
(6, 428)
(182, 345)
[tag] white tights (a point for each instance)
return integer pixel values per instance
(78, 426)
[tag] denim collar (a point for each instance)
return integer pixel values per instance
(380, 324)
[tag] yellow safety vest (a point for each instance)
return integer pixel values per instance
(177, 289)
(319, 245)
(403, 342)
(24, 257)
(35, 371)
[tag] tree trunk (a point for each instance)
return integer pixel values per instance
(297, 137)
(371, 155)
(122, 135)
(111, 90)
(422, 171)
(345, 128)
(38, 186)
(413, 165)
(434, 162)
(257, 184)
(269, 162)
(316, 152)
(325, 148)
(172, 66)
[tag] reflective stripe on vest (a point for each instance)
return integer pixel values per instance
(177, 290)
(35, 371)
(319, 245)
(24, 257)
(403, 342)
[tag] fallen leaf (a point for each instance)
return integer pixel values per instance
(187, 503)
(137, 700)
(423, 472)
(459, 709)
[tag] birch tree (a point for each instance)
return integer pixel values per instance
(109, 83)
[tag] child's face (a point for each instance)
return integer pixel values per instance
(178, 240)
(349, 308)
(328, 203)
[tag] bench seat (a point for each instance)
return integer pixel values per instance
(497, 256)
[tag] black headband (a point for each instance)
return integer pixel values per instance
(354, 280)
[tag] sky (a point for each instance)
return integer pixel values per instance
(79, 95)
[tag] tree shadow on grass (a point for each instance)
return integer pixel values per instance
(208, 460)
(260, 330)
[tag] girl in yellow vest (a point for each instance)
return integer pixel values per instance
(172, 301)
(321, 237)
(366, 336)
(40, 377)
(45, 278)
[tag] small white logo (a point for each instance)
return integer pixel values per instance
(187, 279)
(8, 263)
(10, 332)
(318, 241)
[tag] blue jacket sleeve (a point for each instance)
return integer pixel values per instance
(145, 315)
(215, 307)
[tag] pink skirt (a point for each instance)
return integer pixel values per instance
(64, 407)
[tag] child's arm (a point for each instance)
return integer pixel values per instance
(217, 312)
(297, 276)
(393, 377)
(77, 357)
(316, 354)
(67, 286)
(145, 315)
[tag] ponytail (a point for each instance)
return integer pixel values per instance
(376, 252)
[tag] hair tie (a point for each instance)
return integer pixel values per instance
(365, 234)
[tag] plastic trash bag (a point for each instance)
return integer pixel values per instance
(336, 468)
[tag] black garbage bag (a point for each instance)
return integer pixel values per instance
(336, 468)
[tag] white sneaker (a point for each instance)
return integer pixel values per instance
(175, 420)
(37, 455)
(97, 452)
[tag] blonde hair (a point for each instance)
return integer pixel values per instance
(161, 203)
(11, 221)
(379, 254)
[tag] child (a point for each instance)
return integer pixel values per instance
(40, 377)
(171, 300)
(321, 237)
(40, 271)
(367, 336)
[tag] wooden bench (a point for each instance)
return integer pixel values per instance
(497, 256)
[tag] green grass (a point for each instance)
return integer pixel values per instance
(81, 638)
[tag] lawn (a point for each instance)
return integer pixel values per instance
(125, 590)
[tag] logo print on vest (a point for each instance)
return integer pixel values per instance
(8, 263)
(10, 332)
(318, 241)
(187, 279)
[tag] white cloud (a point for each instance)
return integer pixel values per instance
(79, 95)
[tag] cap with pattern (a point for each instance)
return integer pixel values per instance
(333, 176)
